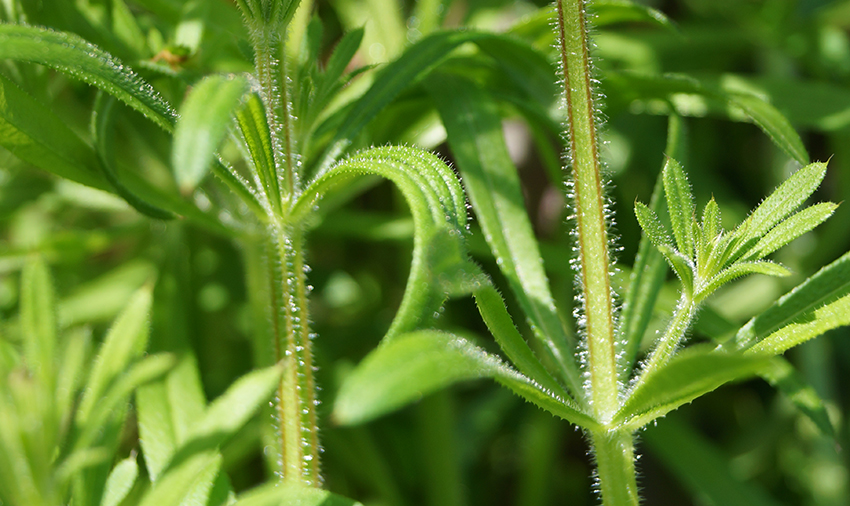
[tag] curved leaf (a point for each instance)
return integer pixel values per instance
(807, 326)
(276, 494)
(418, 363)
(475, 136)
(78, 58)
(436, 201)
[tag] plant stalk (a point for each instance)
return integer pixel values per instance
(615, 467)
(296, 400)
(669, 342)
(590, 209)
(295, 409)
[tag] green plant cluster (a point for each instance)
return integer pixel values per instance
(247, 245)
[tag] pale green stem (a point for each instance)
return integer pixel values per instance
(590, 209)
(296, 403)
(615, 464)
(669, 342)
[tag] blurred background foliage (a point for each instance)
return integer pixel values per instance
(478, 444)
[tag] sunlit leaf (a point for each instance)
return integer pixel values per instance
(651, 226)
(689, 375)
(120, 481)
(292, 495)
(38, 319)
(792, 228)
(204, 119)
(805, 327)
(680, 204)
(736, 271)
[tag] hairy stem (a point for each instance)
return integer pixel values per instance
(615, 467)
(296, 403)
(590, 209)
(669, 342)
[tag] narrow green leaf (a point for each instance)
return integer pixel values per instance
(680, 204)
(226, 415)
(78, 58)
(125, 341)
(792, 228)
(782, 202)
(651, 226)
(701, 468)
(103, 133)
(418, 363)
(167, 410)
(736, 271)
(773, 123)
(782, 376)
(827, 285)
(805, 327)
(475, 136)
(498, 321)
(643, 89)
(187, 484)
(110, 407)
(711, 220)
(609, 12)
(689, 375)
(337, 63)
(254, 127)
(75, 355)
(36, 135)
(120, 481)
(204, 119)
(38, 320)
(285, 494)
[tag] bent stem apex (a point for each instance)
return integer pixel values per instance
(613, 449)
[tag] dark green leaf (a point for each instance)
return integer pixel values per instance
(827, 285)
(78, 58)
(475, 136)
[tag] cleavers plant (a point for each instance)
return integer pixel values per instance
(279, 138)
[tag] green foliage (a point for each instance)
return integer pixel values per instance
(351, 143)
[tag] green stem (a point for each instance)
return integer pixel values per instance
(615, 467)
(671, 339)
(590, 209)
(296, 403)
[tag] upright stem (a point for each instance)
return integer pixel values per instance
(590, 208)
(296, 403)
(613, 447)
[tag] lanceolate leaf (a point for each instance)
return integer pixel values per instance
(736, 271)
(422, 362)
(807, 326)
(781, 203)
(38, 320)
(827, 285)
(78, 58)
(188, 483)
(475, 136)
(276, 494)
(680, 204)
(36, 135)
(792, 228)
(691, 374)
(651, 226)
(125, 341)
(254, 127)
(120, 481)
(227, 414)
(204, 120)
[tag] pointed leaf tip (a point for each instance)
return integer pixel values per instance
(680, 204)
